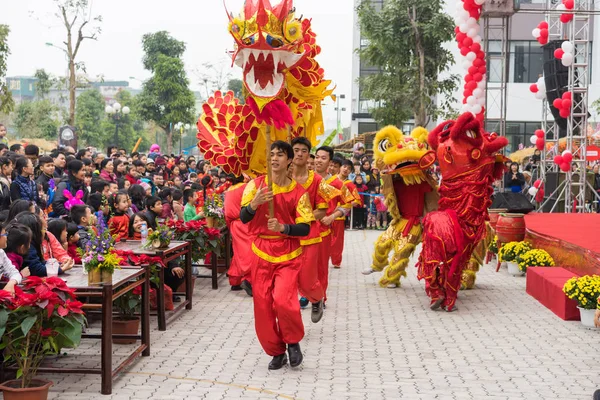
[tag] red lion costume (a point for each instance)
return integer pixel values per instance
(469, 164)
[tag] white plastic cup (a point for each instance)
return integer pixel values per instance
(52, 267)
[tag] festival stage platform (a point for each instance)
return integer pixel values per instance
(571, 239)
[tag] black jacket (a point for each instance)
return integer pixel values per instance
(72, 185)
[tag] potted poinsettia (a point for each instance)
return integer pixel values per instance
(126, 321)
(39, 321)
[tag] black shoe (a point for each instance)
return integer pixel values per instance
(295, 354)
(247, 287)
(236, 288)
(176, 299)
(317, 312)
(277, 362)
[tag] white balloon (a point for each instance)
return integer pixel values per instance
(477, 93)
(465, 108)
(533, 139)
(561, 7)
(567, 59)
(466, 64)
(481, 101)
(566, 152)
(476, 109)
(471, 56)
(481, 83)
(464, 14)
(471, 22)
(567, 46)
(471, 100)
(532, 191)
(477, 39)
(540, 95)
(463, 28)
(473, 32)
(536, 33)
(479, 2)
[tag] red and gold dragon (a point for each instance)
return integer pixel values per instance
(469, 164)
(276, 52)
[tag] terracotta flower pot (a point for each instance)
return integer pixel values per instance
(125, 326)
(37, 391)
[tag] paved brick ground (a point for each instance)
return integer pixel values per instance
(373, 343)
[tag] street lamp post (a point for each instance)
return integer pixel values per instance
(182, 128)
(339, 115)
(117, 113)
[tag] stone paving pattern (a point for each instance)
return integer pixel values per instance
(373, 343)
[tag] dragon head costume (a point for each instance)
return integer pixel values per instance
(283, 87)
(409, 193)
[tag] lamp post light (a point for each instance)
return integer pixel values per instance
(117, 113)
(183, 128)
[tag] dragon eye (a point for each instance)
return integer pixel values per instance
(384, 145)
(274, 42)
(447, 126)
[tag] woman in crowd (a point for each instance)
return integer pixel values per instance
(74, 182)
(5, 168)
(137, 194)
(106, 171)
(513, 179)
(23, 186)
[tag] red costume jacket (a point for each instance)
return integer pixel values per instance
(119, 226)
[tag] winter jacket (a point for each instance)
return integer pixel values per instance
(4, 196)
(72, 251)
(119, 226)
(24, 188)
(110, 178)
(53, 249)
(7, 269)
(37, 266)
(72, 185)
(16, 260)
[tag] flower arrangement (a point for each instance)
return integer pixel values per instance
(510, 251)
(213, 207)
(535, 258)
(160, 237)
(493, 247)
(99, 256)
(203, 239)
(584, 290)
(40, 320)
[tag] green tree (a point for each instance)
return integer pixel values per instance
(7, 103)
(44, 83)
(405, 47)
(90, 118)
(76, 17)
(236, 86)
(37, 119)
(166, 98)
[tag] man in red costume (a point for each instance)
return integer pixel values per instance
(277, 256)
(343, 168)
(323, 159)
(319, 192)
(239, 271)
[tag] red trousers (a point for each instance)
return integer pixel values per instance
(337, 241)
(308, 278)
(277, 317)
(324, 252)
(242, 254)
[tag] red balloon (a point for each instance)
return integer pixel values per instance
(473, 70)
(558, 160)
(464, 51)
(569, 4)
(476, 47)
(481, 55)
(567, 95)
(467, 42)
(567, 157)
(533, 88)
(539, 144)
(543, 25)
(478, 62)
(457, 30)
(564, 113)
(557, 103)
(468, 78)
(467, 93)
(460, 37)
(544, 32)
(566, 104)
(477, 77)
(558, 53)
(472, 85)
(565, 167)
(465, 100)
(564, 18)
(482, 70)
(539, 133)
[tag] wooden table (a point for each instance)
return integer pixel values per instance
(214, 276)
(176, 249)
(124, 280)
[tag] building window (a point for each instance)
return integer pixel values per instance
(364, 127)
(526, 61)
(517, 133)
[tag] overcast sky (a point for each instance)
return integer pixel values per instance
(201, 24)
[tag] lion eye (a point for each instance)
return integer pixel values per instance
(384, 145)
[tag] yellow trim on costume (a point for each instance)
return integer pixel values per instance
(237, 185)
(305, 210)
(308, 242)
(280, 259)
(249, 193)
(309, 180)
(282, 189)
(327, 192)
(331, 179)
(347, 196)
(326, 233)
(270, 237)
(322, 206)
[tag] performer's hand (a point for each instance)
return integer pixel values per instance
(327, 220)
(274, 225)
(178, 271)
(597, 318)
(263, 195)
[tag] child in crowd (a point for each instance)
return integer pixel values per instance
(82, 216)
(135, 225)
(189, 213)
(372, 217)
(58, 228)
(359, 209)
(118, 222)
(178, 204)
(72, 241)
(8, 272)
(154, 210)
(51, 245)
(17, 246)
(166, 195)
(381, 213)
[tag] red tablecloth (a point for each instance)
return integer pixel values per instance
(545, 284)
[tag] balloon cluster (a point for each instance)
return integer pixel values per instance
(469, 43)
(565, 53)
(539, 89)
(563, 105)
(567, 5)
(538, 139)
(541, 33)
(564, 161)
(537, 190)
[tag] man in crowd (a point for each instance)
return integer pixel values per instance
(59, 163)
(277, 260)
(17, 148)
(344, 168)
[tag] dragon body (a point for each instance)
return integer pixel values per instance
(469, 163)
(283, 89)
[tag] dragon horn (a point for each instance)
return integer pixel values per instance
(229, 15)
(282, 10)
